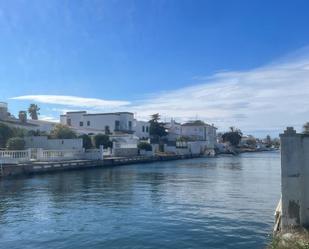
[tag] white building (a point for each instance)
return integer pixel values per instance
(173, 129)
(198, 130)
(4, 111)
(108, 123)
(141, 129)
(192, 131)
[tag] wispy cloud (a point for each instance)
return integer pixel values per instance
(263, 99)
(74, 101)
(49, 118)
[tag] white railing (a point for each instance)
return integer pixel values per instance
(59, 155)
(20, 156)
(14, 156)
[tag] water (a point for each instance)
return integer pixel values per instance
(225, 202)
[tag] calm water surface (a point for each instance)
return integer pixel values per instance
(224, 202)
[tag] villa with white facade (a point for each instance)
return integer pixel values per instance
(192, 131)
(107, 123)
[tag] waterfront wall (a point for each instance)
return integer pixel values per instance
(294, 179)
(53, 144)
(52, 166)
(124, 152)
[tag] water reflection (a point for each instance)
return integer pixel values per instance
(203, 203)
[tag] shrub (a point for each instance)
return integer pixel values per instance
(87, 144)
(144, 146)
(15, 143)
(5, 133)
(62, 132)
(102, 139)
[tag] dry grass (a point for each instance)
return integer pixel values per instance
(295, 240)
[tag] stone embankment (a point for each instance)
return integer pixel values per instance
(9, 170)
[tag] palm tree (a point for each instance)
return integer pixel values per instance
(34, 111)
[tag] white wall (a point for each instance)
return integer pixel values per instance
(174, 130)
(141, 129)
(200, 132)
(99, 121)
(53, 144)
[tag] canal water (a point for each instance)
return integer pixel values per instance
(223, 202)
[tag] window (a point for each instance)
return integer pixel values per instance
(117, 125)
(69, 122)
(88, 123)
(147, 129)
(81, 123)
(143, 128)
(130, 125)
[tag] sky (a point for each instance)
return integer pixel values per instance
(228, 62)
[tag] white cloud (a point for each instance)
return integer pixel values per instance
(259, 101)
(49, 118)
(74, 101)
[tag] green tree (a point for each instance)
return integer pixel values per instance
(87, 144)
(5, 133)
(33, 111)
(62, 132)
(144, 146)
(19, 132)
(156, 129)
(233, 136)
(22, 116)
(102, 139)
(34, 133)
(15, 143)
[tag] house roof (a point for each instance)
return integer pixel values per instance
(195, 123)
(17, 122)
(108, 113)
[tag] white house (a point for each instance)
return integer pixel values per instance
(141, 129)
(108, 123)
(173, 129)
(193, 131)
(198, 130)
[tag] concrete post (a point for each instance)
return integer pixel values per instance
(29, 154)
(101, 152)
(294, 179)
(39, 154)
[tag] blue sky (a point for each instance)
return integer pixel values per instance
(208, 59)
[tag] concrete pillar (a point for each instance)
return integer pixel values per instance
(29, 154)
(294, 176)
(39, 153)
(101, 152)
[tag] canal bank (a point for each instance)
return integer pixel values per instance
(11, 170)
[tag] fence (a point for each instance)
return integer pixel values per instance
(20, 156)
(14, 157)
